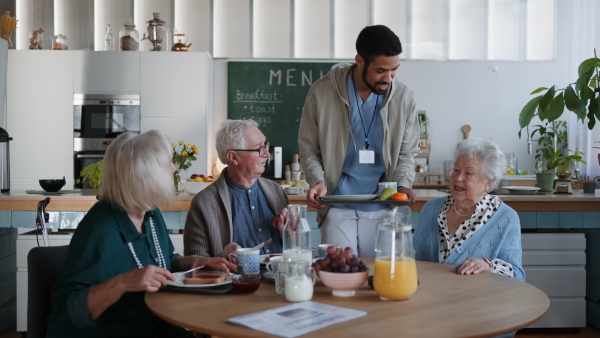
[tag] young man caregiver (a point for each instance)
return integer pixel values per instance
(359, 127)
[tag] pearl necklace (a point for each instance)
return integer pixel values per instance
(459, 214)
(161, 259)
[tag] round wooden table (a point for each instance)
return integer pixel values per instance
(445, 305)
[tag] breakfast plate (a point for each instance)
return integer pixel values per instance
(518, 190)
(264, 259)
(179, 282)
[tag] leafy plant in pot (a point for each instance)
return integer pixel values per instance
(92, 173)
(582, 97)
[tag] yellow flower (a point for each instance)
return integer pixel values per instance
(195, 150)
(180, 142)
(189, 145)
(184, 153)
(173, 145)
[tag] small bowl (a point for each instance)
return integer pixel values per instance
(246, 285)
(52, 185)
(344, 284)
(193, 188)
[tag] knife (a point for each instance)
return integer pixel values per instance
(188, 271)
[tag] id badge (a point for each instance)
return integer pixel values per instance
(366, 156)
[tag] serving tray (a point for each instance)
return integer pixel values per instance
(357, 199)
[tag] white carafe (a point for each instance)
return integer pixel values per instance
(299, 278)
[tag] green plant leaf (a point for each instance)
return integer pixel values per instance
(556, 107)
(582, 82)
(593, 112)
(541, 89)
(571, 98)
(580, 110)
(545, 101)
(528, 112)
(588, 65)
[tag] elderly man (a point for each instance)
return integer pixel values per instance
(239, 208)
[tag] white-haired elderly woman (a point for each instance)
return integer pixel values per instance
(240, 209)
(121, 248)
(471, 229)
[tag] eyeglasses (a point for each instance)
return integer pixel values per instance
(261, 151)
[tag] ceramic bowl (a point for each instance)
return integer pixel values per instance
(344, 284)
(52, 185)
(193, 188)
(248, 284)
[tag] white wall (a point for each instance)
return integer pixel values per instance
(486, 95)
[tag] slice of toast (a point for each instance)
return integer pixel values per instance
(205, 277)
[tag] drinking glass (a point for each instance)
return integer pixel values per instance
(395, 276)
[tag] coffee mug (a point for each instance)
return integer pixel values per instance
(248, 259)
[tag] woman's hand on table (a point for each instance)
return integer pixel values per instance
(149, 278)
(315, 193)
(472, 266)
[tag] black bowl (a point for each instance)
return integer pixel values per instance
(52, 185)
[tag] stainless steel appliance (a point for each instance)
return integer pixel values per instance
(274, 165)
(4, 161)
(97, 120)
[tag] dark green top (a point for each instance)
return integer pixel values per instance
(97, 252)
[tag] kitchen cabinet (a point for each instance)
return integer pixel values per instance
(106, 72)
(39, 116)
(555, 263)
(176, 98)
(26, 242)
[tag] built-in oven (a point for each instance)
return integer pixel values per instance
(97, 120)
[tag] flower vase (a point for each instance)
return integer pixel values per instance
(176, 181)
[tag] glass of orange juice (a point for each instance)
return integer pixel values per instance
(395, 276)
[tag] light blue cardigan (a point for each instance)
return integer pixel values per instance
(499, 238)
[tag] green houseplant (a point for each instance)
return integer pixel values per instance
(92, 173)
(582, 97)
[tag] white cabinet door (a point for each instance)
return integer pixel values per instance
(40, 116)
(176, 98)
(106, 72)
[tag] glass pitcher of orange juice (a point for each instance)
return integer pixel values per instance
(395, 276)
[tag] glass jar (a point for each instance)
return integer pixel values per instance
(129, 38)
(59, 42)
(296, 235)
(395, 275)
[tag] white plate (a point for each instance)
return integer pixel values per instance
(269, 275)
(517, 190)
(179, 283)
(349, 198)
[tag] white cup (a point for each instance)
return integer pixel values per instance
(383, 185)
(248, 258)
(277, 266)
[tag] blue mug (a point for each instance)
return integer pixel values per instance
(248, 259)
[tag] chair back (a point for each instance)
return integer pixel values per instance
(44, 265)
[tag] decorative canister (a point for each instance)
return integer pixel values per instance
(129, 38)
(59, 42)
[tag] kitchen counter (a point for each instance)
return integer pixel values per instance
(19, 200)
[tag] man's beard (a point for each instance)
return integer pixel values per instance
(372, 87)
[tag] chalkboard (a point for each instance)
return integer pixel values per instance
(272, 94)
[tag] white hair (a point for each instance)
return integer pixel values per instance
(231, 136)
(136, 173)
(493, 162)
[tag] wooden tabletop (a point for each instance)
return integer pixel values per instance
(445, 305)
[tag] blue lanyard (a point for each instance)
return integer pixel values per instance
(365, 131)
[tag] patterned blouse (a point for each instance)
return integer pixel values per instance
(484, 211)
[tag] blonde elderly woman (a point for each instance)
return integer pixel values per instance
(121, 248)
(471, 229)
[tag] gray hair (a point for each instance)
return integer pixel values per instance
(231, 136)
(493, 162)
(136, 173)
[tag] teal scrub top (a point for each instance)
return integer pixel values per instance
(97, 252)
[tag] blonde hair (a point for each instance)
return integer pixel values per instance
(136, 174)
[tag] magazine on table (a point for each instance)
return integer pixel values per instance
(296, 319)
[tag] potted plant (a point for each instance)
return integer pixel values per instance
(93, 174)
(582, 97)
